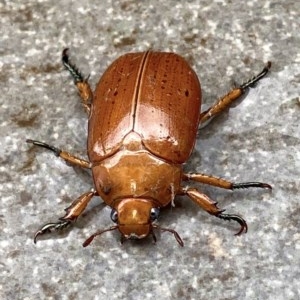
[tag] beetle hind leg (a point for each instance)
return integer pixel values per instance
(211, 207)
(81, 83)
(225, 102)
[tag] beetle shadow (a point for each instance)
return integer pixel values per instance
(90, 214)
(84, 174)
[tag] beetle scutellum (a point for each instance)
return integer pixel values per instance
(143, 120)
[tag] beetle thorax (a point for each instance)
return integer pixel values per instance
(136, 174)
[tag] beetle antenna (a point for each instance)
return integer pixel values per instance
(90, 239)
(153, 236)
(176, 235)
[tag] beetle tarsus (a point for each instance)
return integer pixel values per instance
(75, 73)
(237, 218)
(66, 156)
(44, 145)
(81, 83)
(245, 185)
(225, 102)
(255, 79)
(47, 228)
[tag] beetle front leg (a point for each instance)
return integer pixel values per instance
(225, 102)
(66, 156)
(47, 228)
(72, 213)
(81, 83)
(211, 207)
(222, 183)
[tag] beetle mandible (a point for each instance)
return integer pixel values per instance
(143, 120)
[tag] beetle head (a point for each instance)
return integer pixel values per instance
(134, 218)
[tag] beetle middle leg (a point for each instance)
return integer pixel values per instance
(224, 103)
(211, 207)
(66, 156)
(81, 83)
(72, 213)
(222, 183)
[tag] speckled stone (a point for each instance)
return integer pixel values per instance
(256, 140)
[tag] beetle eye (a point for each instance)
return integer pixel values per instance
(114, 215)
(154, 213)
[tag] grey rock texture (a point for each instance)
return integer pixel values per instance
(258, 139)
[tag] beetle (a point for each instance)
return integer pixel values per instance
(143, 119)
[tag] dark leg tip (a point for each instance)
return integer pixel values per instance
(42, 231)
(44, 145)
(65, 56)
(240, 220)
(266, 186)
(77, 76)
(246, 185)
(256, 78)
(64, 52)
(47, 228)
(35, 236)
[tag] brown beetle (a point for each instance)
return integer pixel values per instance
(143, 121)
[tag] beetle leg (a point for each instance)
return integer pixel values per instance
(211, 207)
(66, 156)
(49, 226)
(78, 206)
(224, 103)
(222, 183)
(72, 213)
(81, 83)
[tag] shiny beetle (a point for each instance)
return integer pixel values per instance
(143, 119)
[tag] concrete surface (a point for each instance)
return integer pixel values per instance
(258, 139)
